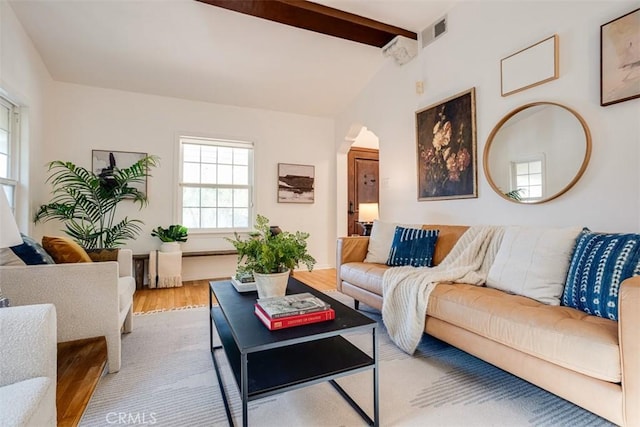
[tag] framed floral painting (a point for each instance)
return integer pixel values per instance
(446, 139)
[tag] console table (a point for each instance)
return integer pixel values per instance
(139, 260)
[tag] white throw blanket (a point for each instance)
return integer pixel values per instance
(165, 269)
(406, 290)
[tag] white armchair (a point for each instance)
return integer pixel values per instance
(28, 359)
(91, 299)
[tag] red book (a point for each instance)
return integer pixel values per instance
(291, 321)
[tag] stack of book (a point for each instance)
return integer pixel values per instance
(292, 310)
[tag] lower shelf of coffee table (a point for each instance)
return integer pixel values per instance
(291, 366)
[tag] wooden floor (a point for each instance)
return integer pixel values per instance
(81, 363)
(80, 366)
(195, 293)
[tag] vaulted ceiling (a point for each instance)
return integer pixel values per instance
(192, 50)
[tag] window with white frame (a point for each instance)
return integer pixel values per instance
(8, 150)
(527, 177)
(216, 184)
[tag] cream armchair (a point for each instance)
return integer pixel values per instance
(91, 299)
(28, 357)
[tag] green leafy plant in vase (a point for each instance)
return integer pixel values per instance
(270, 256)
(171, 237)
(87, 202)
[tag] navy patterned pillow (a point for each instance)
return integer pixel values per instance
(31, 253)
(599, 264)
(412, 246)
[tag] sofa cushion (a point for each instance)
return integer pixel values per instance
(560, 335)
(31, 253)
(448, 236)
(126, 289)
(599, 265)
(23, 402)
(533, 262)
(28, 253)
(381, 239)
(64, 250)
(365, 275)
(412, 246)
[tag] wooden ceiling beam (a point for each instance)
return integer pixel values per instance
(318, 18)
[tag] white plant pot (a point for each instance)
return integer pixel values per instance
(271, 285)
(170, 247)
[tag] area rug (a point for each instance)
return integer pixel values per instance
(167, 379)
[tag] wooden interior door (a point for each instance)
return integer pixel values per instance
(363, 184)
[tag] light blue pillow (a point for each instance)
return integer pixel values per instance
(599, 264)
(412, 246)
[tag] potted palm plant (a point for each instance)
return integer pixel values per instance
(270, 256)
(171, 237)
(86, 202)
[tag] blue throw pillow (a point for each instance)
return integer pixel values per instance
(31, 253)
(599, 264)
(412, 246)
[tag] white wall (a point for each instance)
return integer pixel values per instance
(468, 55)
(86, 118)
(366, 139)
(24, 80)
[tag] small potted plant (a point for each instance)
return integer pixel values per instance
(270, 256)
(171, 237)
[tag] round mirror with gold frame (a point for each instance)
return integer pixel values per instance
(537, 152)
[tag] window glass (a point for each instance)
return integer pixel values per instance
(215, 184)
(8, 146)
(225, 197)
(240, 175)
(209, 197)
(208, 173)
(191, 153)
(4, 141)
(225, 174)
(528, 179)
(191, 172)
(4, 165)
(535, 167)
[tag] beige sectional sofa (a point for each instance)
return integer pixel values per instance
(588, 360)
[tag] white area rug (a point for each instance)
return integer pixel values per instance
(167, 379)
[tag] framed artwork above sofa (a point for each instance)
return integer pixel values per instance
(446, 142)
(619, 59)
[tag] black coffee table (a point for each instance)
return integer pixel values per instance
(267, 362)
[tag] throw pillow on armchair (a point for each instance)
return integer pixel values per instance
(64, 250)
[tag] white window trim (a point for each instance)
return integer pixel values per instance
(212, 140)
(13, 179)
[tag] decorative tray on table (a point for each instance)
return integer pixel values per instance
(243, 284)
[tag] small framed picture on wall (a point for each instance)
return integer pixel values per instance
(104, 161)
(295, 183)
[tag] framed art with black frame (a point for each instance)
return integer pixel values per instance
(620, 59)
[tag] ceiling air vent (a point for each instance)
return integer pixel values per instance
(433, 31)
